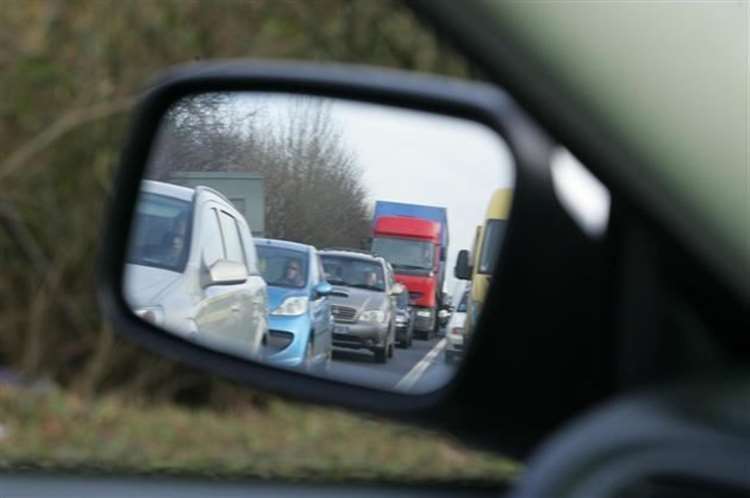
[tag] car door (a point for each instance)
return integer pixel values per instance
(256, 286)
(243, 299)
(321, 310)
(216, 312)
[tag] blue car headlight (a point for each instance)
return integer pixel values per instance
(291, 306)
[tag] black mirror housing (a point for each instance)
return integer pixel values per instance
(462, 270)
(552, 389)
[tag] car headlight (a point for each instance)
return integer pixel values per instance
(291, 306)
(373, 316)
(151, 314)
(401, 319)
(424, 313)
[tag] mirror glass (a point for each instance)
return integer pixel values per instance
(320, 234)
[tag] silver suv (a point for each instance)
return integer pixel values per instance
(191, 269)
(363, 303)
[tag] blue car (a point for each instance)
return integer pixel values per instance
(300, 323)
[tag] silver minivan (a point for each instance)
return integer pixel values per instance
(191, 269)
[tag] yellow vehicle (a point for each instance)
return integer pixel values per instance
(479, 265)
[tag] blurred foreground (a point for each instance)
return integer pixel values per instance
(52, 430)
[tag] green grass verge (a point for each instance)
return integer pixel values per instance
(57, 431)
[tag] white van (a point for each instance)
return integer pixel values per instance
(191, 269)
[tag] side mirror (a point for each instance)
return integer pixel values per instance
(474, 116)
(322, 289)
(225, 272)
(463, 269)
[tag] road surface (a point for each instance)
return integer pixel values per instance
(419, 369)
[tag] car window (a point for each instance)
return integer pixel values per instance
(354, 272)
(211, 239)
(319, 264)
(670, 124)
(161, 232)
(282, 267)
(232, 240)
(493, 237)
(314, 275)
(391, 277)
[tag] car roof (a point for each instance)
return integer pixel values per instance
(286, 244)
(351, 254)
(168, 189)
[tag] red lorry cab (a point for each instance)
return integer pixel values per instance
(412, 246)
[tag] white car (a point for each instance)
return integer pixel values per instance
(191, 269)
(454, 335)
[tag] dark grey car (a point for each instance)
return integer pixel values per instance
(362, 301)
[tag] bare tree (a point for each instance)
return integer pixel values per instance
(201, 133)
(313, 188)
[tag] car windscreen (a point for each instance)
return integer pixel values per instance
(160, 232)
(353, 272)
(282, 267)
(493, 238)
(405, 253)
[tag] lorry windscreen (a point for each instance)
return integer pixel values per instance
(493, 238)
(404, 253)
(160, 232)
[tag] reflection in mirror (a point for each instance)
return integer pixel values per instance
(320, 234)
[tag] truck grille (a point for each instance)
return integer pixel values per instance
(343, 313)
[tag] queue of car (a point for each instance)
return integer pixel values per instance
(195, 269)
